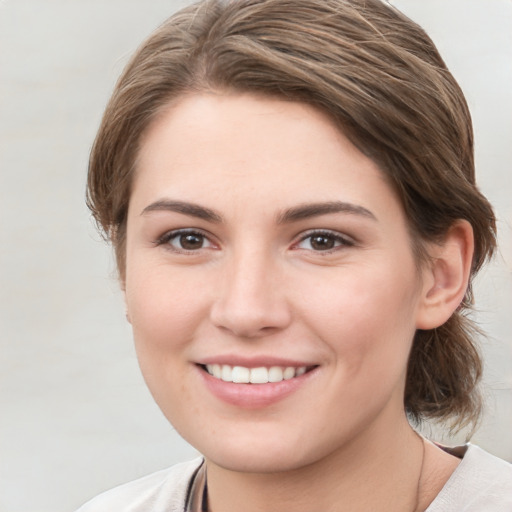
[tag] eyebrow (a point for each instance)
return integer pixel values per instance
(294, 214)
(309, 210)
(191, 209)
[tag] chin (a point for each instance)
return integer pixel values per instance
(262, 452)
(257, 460)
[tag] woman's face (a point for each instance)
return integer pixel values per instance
(263, 246)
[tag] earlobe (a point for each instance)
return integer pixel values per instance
(445, 281)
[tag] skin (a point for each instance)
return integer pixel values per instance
(257, 284)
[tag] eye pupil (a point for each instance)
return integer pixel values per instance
(191, 241)
(322, 242)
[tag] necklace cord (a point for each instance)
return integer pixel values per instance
(420, 477)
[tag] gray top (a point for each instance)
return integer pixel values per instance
(481, 483)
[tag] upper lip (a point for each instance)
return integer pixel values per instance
(254, 361)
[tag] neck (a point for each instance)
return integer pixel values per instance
(379, 470)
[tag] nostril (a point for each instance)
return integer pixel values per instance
(250, 320)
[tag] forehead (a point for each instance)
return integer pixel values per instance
(231, 149)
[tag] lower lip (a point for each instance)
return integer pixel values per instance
(253, 396)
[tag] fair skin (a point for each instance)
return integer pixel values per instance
(259, 237)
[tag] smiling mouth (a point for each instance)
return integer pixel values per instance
(260, 375)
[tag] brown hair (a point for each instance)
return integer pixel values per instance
(380, 77)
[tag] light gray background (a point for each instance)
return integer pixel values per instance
(75, 415)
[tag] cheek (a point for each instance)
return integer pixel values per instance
(165, 309)
(366, 318)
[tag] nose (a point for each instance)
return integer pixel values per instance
(251, 302)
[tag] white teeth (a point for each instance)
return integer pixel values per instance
(300, 371)
(241, 375)
(289, 373)
(261, 375)
(227, 373)
(216, 370)
(275, 374)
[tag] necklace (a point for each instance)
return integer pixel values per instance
(418, 487)
(198, 493)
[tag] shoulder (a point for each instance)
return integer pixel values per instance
(480, 482)
(164, 490)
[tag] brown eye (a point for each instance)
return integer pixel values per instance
(191, 241)
(322, 242)
(185, 241)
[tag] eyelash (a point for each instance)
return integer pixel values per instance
(342, 241)
(166, 239)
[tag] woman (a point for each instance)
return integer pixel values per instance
(289, 188)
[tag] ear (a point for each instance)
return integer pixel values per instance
(445, 279)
